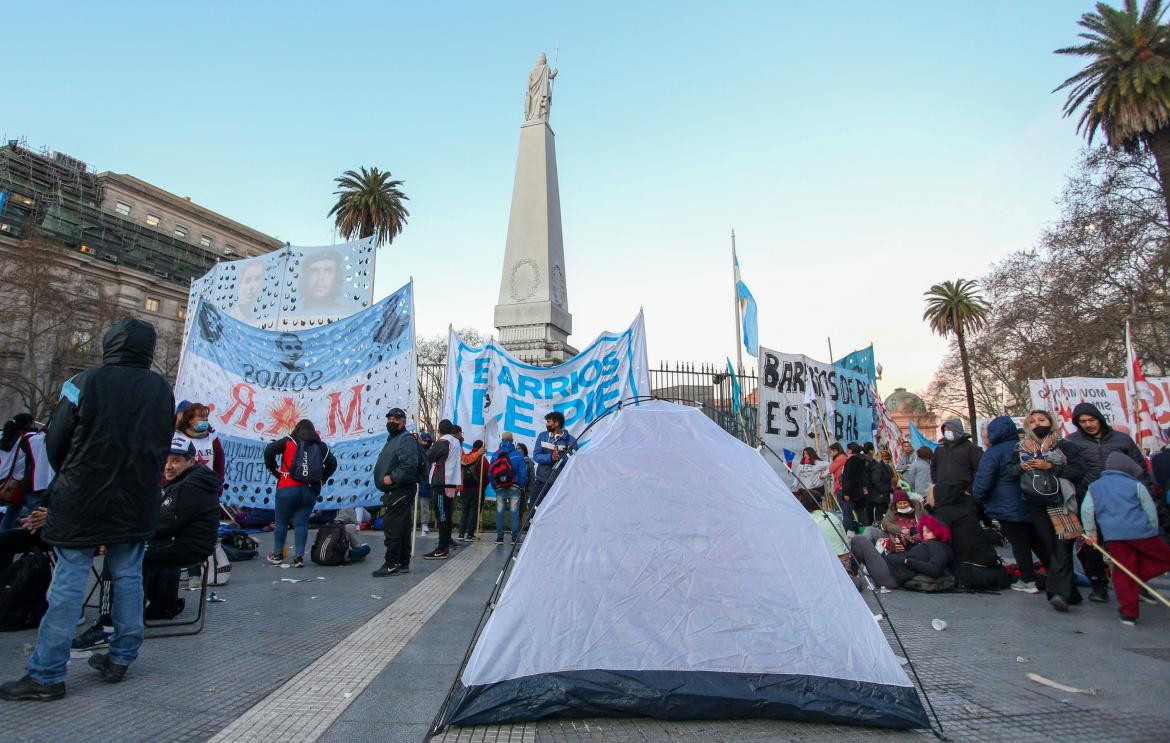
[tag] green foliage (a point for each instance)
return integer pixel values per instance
(369, 203)
(1125, 89)
(955, 307)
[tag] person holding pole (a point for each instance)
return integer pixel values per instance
(395, 474)
(475, 474)
(1120, 506)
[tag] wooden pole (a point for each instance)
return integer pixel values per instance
(1126, 570)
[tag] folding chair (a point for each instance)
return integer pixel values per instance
(168, 628)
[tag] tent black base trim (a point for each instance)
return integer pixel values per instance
(686, 695)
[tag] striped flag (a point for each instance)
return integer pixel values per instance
(1141, 400)
(748, 312)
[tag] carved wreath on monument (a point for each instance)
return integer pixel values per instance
(525, 280)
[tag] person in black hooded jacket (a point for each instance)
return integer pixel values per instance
(107, 441)
(1095, 440)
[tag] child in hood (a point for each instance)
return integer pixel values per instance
(1118, 509)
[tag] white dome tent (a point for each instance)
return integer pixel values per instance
(670, 573)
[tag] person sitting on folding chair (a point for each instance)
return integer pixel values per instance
(188, 526)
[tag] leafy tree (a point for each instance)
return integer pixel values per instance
(431, 355)
(1124, 91)
(369, 204)
(957, 307)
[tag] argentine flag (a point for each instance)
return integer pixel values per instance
(749, 314)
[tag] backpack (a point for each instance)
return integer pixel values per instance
(221, 568)
(308, 462)
(927, 584)
(23, 589)
(331, 545)
(502, 474)
(975, 577)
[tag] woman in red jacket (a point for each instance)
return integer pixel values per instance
(300, 462)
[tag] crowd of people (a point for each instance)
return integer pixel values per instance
(1056, 501)
(121, 472)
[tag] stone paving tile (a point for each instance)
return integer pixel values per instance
(265, 633)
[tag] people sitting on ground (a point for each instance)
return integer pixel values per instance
(194, 427)
(358, 550)
(997, 487)
(26, 536)
(832, 529)
(188, 526)
(297, 487)
(930, 557)
(918, 476)
(1119, 511)
(899, 527)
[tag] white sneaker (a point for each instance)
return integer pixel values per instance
(1025, 587)
(425, 531)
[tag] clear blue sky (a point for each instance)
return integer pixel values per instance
(861, 151)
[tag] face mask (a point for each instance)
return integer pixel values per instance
(391, 427)
(201, 427)
(949, 435)
(1042, 431)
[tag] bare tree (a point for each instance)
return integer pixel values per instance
(1061, 307)
(52, 320)
(431, 354)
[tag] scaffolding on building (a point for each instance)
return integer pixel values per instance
(62, 197)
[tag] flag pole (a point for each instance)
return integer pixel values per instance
(735, 305)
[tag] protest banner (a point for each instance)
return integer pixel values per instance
(804, 402)
(292, 288)
(343, 377)
(1062, 394)
(489, 391)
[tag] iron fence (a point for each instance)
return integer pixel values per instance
(708, 387)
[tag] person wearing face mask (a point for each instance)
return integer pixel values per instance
(553, 443)
(952, 470)
(194, 428)
(395, 474)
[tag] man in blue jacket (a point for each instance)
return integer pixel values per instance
(552, 443)
(508, 487)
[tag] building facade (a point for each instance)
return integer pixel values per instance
(135, 243)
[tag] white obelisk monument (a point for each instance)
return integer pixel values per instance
(533, 312)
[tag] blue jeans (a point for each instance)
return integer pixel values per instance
(295, 504)
(66, 596)
(508, 499)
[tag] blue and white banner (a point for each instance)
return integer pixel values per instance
(343, 377)
(293, 288)
(489, 391)
(841, 402)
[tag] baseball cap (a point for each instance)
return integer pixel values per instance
(180, 445)
(396, 413)
(183, 405)
(424, 436)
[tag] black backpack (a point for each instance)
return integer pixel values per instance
(23, 589)
(308, 462)
(331, 547)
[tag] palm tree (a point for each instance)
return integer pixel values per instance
(369, 204)
(1125, 90)
(958, 307)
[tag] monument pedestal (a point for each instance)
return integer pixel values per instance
(533, 311)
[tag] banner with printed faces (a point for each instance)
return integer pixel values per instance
(489, 391)
(804, 402)
(293, 288)
(343, 377)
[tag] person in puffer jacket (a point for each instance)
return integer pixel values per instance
(997, 486)
(1119, 507)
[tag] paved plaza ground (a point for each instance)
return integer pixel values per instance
(341, 656)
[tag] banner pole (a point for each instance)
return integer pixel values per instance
(735, 306)
(414, 519)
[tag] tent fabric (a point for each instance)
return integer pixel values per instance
(669, 572)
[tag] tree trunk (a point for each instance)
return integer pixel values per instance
(1159, 144)
(966, 364)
